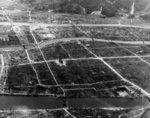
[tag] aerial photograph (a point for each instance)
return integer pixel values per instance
(74, 58)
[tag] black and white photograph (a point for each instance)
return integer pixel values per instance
(74, 58)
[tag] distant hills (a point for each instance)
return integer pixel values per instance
(109, 8)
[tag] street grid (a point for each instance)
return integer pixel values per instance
(94, 57)
(76, 59)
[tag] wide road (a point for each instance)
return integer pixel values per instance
(42, 44)
(57, 25)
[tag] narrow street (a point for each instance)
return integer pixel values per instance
(3, 65)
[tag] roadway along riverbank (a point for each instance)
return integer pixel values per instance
(58, 25)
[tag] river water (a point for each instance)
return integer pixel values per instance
(14, 102)
(146, 114)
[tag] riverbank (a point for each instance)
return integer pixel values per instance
(71, 112)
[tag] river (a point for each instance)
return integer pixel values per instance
(14, 102)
